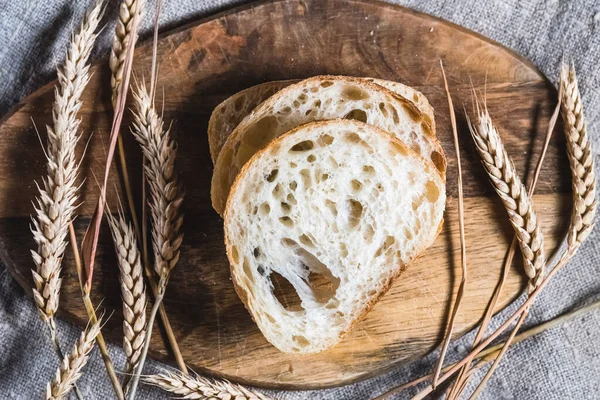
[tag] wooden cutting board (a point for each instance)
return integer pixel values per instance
(203, 63)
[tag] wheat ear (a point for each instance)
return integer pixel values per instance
(513, 194)
(70, 369)
(166, 197)
(581, 161)
(198, 387)
(127, 10)
(55, 206)
(133, 290)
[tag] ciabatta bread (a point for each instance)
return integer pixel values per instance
(229, 113)
(322, 98)
(337, 209)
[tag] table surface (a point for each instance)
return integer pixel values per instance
(561, 363)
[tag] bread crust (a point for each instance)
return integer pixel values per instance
(430, 169)
(217, 190)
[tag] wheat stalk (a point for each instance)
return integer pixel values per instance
(513, 194)
(166, 195)
(198, 387)
(70, 369)
(581, 161)
(127, 11)
(133, 290)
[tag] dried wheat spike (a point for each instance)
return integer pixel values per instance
(70, 369)
(581, 160)
(133, 290)
(165, 189)
(127, 11)
(507, 184)
(198, 387)
(55, 206)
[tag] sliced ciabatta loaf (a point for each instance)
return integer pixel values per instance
(322, 98)
(229, 113)
(337, 209)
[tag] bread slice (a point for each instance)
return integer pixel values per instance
(321, 98)
(229, 113)
(336, 209)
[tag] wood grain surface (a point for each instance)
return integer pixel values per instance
(206, 61)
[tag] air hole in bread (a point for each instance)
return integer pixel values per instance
(235, 254)
(296, 104)
(270, 318)
(302, 146)
(416, 203)
(416, 147)
(356, 185)
(291, 199)
(277, 191)
(387, 243)
(357, 114)
(326, 84)
(285, 110)
(353, 137)
(331, 206)
(369, 233)
(261, 132)
(271, 177)
(301, 340)
(325, 140)
(265, 209)
(432, 193)
(293, 185)
(222, 110)
(307, 113)
(239, 103)
(334, 228)
(248, 270)
(314, 89)
(395, 116)
(372, 293)
(256, 252)
(355, 93)
(306, 181)
(343, 250)
(368, 170)
(412, 178)
(261, 270)
(355, 210)
(317, 103)
(303, 98)
(399, 148)
(413, 136)
(408, 234)
(323, 177)
(438, 160)
(383, 110)
(305, 240)
(311, 158)
(287, 242)
(285, 207)
(285, 292)
(416, 98)
(379, 187)
(287, 221)
(293, 165)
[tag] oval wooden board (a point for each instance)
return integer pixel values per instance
(203, 63)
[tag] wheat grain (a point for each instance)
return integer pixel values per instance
(165, 189)
(56, 203)
(127, 10)
(198, 387)
(70, 369)
(581, 160)
(507, 184)
(133, 290)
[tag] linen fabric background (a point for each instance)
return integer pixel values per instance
(561, 363)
